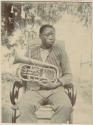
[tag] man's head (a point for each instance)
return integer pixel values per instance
(47, 35)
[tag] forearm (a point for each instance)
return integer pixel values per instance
(49, 85)
(66, 79)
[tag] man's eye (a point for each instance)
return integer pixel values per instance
(50, 35)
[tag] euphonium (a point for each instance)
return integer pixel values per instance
(33, 70)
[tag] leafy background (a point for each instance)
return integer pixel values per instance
(73, 20)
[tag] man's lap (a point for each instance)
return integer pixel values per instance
(55, 97)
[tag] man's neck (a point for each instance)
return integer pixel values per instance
(45, 47)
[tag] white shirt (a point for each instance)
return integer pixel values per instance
(44, 54)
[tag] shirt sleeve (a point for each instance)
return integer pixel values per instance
(66, 77)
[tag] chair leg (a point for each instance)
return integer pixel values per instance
(14, 116)
(71, 118)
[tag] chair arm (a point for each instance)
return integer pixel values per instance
(71, 92)
(14, 93)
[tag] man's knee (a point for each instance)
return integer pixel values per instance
(30, 105)
(67, 107)
(28, 100)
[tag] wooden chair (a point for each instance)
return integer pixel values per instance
(14, 95)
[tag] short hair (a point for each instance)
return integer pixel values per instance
(44, 27)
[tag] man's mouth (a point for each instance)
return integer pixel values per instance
(51, 41)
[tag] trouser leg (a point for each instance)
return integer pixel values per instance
(28, 104)
(62, 106)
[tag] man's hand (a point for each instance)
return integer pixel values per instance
(47, 85)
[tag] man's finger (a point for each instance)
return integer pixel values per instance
(43, 84)
(44, 80)
(40, 83)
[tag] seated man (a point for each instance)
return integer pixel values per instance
(53, 93)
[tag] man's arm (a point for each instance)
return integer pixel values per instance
(66, 77)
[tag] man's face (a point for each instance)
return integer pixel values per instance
(48, 37)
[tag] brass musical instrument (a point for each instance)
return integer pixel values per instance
(33, 70)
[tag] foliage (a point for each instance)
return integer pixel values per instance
(39, 13)
(51, 12)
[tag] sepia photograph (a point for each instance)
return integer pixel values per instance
(46, 62)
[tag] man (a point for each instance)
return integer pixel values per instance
(53, 93)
